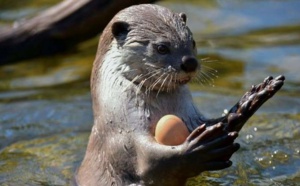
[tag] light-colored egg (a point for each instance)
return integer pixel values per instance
(171, 130)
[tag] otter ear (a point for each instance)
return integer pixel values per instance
(120, 29)
(183, 17)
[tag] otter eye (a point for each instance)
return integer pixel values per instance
(162, 49)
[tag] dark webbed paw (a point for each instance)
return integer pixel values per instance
(209, 148)
(251, 101)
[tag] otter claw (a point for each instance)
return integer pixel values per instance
(251, 101)
(268, 79)
(281, 77)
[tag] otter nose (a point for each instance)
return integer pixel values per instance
(189, 64)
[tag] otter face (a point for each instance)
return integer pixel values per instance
(156, 47)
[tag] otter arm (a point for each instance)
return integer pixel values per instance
(250, 103)
(204, 149)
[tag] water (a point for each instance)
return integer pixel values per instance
(45, 105)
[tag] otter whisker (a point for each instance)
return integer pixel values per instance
(162, 85)
(174, 84)
(208, 60)
(140, 76)
(206, 78)
(205, 59)
(132, 81)
(153, 73)
(198, 79)
(152, 65)
(210, 70)
(170, 81)
(156, 81)
(140, 85)
(207, 74)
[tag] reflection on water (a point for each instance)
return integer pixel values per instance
(45, 106)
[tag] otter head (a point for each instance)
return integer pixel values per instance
(152, 46)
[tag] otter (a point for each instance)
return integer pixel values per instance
(145, 58)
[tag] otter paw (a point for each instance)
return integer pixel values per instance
(209, 148)
(252, 101)
(259, 94)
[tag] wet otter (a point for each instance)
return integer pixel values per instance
(146, 55)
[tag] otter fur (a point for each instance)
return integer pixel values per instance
(145, 58)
